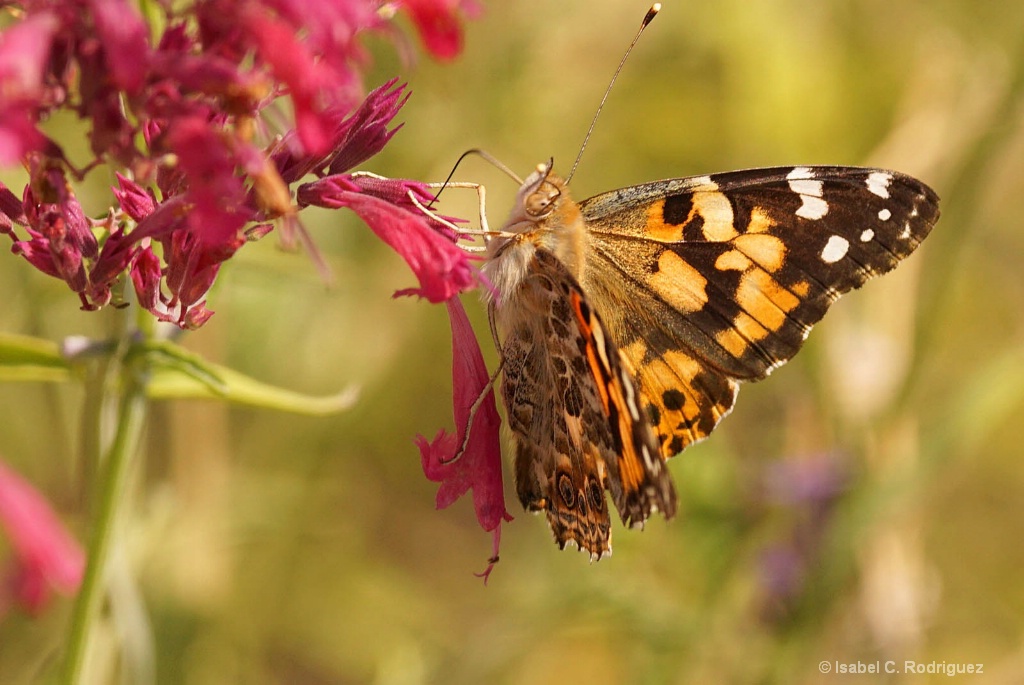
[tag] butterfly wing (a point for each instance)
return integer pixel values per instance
(574, 412)
(729, 272)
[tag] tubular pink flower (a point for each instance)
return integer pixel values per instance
(442, 267)
(46, 556)
(478, 466)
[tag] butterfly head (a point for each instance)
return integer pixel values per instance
(544, 216)
(542, 197)
(539, 194)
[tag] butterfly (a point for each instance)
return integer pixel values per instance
(627, 322)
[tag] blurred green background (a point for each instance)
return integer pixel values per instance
(862, 504)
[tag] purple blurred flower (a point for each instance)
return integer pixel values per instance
(47, 558)
(804, 490)
(811, 479)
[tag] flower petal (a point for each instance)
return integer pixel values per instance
(442, 267)
(478, 466)
(47, 556)
(439, 25)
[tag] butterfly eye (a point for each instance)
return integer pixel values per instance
(541, 201)
(537, 204)
(566, 491)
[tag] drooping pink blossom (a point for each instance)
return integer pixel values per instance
(469, 459)
(47, 558)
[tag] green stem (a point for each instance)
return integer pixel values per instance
(132, 411)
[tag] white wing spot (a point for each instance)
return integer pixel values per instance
(812, 207)
(878, 183)
(801, 182)
(798, 173)
(866, 235)
(703, 183)
(835, 249)
(906, 231)
(884, 214)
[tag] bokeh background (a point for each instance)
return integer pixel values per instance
(862, 504)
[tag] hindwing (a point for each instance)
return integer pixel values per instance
(575, 413)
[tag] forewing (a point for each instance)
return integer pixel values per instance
(728, 273)
(574, 412)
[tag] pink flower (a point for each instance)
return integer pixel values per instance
(461, 464)
(427, 247)
(354, 138)
(125, 39)
(24, 51)
(61, 242)
(46, 557)
(439, 24)
(182, 117)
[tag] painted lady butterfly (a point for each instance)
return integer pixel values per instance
(626, 322)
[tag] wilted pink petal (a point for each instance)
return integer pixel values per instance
(60, 236)
(12, 211)
(396, 191)
(116, 254)
(112, 134)
(442, 267)
(192, 266)
(353, 139)
(135, 201)
(37, 252)
(145, 272)
(439, 25)
(47, 557)
(478, 466)
(366, 131)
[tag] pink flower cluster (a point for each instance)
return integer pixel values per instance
(182, 117)
(186, 119)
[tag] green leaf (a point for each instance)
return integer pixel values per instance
(177, 373)
(24, 358)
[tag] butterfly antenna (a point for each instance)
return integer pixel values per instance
(501, 166)
(651, 13)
